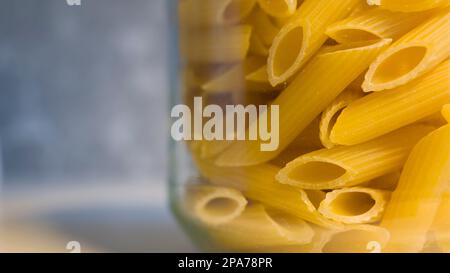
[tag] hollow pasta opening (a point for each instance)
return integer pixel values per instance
(316, 172)
(351, 241)
(220, 207)
(236, 10)
(399, 64)
(288, 50)
(354, 35)
(352, 203)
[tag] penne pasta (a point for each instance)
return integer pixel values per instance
(416, 53)
(340, 65)
(303, 35)
(446, 112)
(214, 205)
(306, 142)
(375, 24)
(386, 182)
(358, 239)
(257, 228)
(415, 202)
(199, 13)
(408, 5)
(314, 126)
(441, 224)
(345, 166)
(331, 113)
(357, 205)
(258, 183)
(221, 45)
(382, 112)
(278, 8)
(321, 237)
(257, 46)
(262, 26)
(234, 80)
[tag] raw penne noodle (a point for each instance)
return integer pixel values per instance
(257, 47)
(374, 24)
(213, 13)
(306, 142)
(258, 183)
(446, 112)
(280, 22)
(321, 237)
(258, 228)
(361, 7)
(262, 26)
(408, 5)
(218, 45)
(344, 166)
(386, 182)
(441, 224)
(379, 113)
(356, 205)
(416, 53)
(259, 75)
(331, 113)
(309, 137)
(339, 65)
(436, 119)
(214, 205)
(299, 39)
(358, 239)
(413, 206)
(278, 8)
(234, 79)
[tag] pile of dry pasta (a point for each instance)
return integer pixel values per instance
(363, 88)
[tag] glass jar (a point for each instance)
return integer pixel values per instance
(310, 126)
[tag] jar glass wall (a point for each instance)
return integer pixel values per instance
(310, 126)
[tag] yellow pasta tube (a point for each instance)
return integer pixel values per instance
(262, 26)
(258, 183)
(408, 5)
(358, 239)
(441, 224)
(257, 46)
(257, 228)
(374, 24)
(278, 8)
(413, 206)
(344, 166)
(321, 237)
(214, 205)
(234, 80)
(331, 113)
(414, 54)
(386, 182)
(356, 205)
(339, 65)
(382, 112)
(218, 45)
(213, 13)
(299, 39)
(446, 112)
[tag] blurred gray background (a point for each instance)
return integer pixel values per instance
(83, 89)
(84, 126)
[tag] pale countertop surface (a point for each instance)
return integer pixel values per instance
(102, 218)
